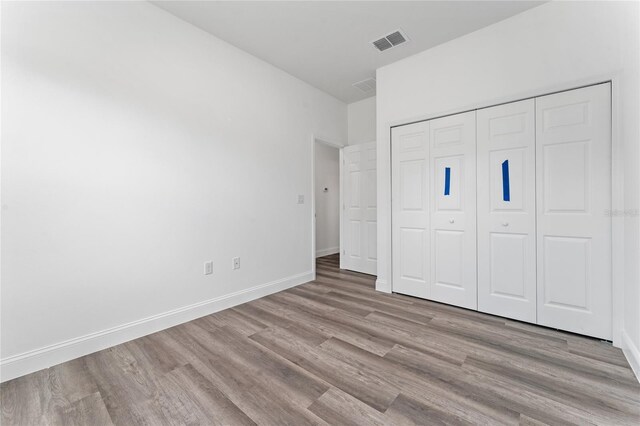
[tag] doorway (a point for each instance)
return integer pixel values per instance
(327, 198)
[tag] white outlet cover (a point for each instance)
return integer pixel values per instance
(300, 199)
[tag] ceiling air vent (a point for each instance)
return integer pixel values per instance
(390, 40)
(382, 44)
(366, 86)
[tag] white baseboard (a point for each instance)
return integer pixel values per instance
(38, 359)
(327, 252)
(632, 353)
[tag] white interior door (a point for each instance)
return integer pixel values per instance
(359, 208)
(573, 168)
(452, 204)
(506, 210)
(410, 211)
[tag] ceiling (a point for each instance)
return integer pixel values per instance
(328, 43)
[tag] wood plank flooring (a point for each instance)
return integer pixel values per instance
(334, 351)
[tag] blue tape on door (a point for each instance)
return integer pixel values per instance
(447, 180)
(506, 194)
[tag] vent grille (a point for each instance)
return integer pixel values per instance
(390, 40)
(367, 86)
(382, 44)
(396, 38)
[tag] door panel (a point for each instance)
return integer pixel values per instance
(566, 177)
(448, 185)
(452, 199)
(506, 211)
(412, 250)
(354, 242)
(412, 195)
(508, 262)
(352, 251)
(370, 203)
(448, 259)
(573, 146)
(511, 164)
(360, 208)
(566, 283)
(410, 215)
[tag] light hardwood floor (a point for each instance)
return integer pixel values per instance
(335, 351)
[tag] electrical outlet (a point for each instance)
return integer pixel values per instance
(236, 263)
(300, 199)
(208, 268)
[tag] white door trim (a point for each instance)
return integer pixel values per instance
(384, 283)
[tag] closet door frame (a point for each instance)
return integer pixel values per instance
(384, 283)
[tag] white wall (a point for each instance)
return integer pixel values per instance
(629, 113)
(554, 46)
(327, 172)
(362, 121)
(135, 147)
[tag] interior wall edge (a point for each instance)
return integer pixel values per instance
(632, 353)
(38, 359)
(383, 286)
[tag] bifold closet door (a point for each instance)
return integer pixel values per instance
(452, 200)
(410, 212)
(506, 210)
(573, 169)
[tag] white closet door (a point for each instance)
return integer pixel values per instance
(507, 211)
(573, 168)
(360, 208)
(453, 210)
(410, 213)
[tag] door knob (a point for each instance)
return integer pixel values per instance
(505, 223)
(451, 220)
